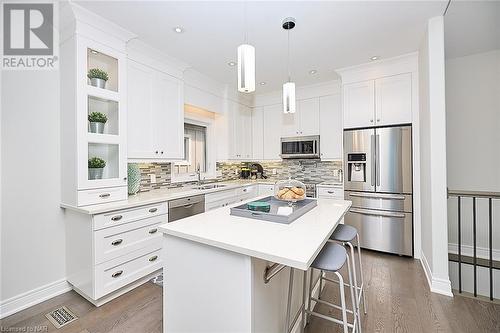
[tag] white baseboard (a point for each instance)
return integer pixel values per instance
(436, 285)
(468, 250)
(33, 297)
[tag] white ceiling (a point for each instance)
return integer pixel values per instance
(328, 35)
(472, 27)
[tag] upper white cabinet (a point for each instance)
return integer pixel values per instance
(156, 114)
(305, 121)
(359, 104)
(258, 133)
(393, 100)
(331, 129)
(272, 131)
(240, 130)
(379, 102)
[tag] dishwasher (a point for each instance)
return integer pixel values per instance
(181, 208)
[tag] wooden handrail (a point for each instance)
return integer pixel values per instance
(477, 194)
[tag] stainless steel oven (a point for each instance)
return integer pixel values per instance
(300, 147)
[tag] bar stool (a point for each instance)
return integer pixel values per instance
(346, 234)
(331, 258)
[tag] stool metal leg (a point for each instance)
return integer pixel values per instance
(354, 299)
(353, 260)
(320, 284)
(289, 301)
(303, 310)
(361, 274)
(342, 302)
(309, 300)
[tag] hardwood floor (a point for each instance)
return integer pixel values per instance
(398, 300)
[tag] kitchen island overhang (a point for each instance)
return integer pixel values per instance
(214, 266)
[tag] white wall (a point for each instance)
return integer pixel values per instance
(433, 157)
(32, 243)
(473, 136)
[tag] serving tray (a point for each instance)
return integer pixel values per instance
(280, 212)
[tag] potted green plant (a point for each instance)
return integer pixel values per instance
(97, 77)
(97, 121)
(96, 167)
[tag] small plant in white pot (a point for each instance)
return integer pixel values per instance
(97, 77)
(97, 121)
(96, 167)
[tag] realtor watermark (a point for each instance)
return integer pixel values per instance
(30, 37)
(38, 328)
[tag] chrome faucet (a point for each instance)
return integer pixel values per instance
(198, 172)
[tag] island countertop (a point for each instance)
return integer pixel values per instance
(295, 244)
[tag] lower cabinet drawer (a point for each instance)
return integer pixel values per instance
(217, 204)
(115, 274)
(102, 195)
(330, 192)
(117, 241)
(247, 191)
(116, 218)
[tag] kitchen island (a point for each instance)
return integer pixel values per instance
(214, 266)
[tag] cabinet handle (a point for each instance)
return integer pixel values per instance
(153, 258)
(156, 152)
(153, 231)
(152, 210)
(371, 120)
(116, 218)
(116, 274)
(244, 190)
(161, 152)
(378, 120)
(330, 192)
(117, 242)
(104, 195)
(124, 178)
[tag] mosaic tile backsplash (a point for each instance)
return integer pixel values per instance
(303, 170)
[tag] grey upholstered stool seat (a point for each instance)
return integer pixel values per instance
(344, 233)
(332, 258)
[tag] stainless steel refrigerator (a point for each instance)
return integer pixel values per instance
(378, 181)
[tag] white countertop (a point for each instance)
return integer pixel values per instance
(295, 244)
(161, 195)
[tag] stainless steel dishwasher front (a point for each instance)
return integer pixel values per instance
(181, 208)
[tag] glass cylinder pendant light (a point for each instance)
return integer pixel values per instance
(289, 87)
(246, 68)
(246, 63)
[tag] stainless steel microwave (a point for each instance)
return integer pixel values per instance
(300, 147)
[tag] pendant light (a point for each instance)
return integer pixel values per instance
(289, 86)
(246, 63)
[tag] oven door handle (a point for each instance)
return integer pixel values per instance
(378, 213)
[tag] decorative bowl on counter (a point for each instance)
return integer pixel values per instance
(289, 190)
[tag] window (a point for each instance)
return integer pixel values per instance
(195, 151)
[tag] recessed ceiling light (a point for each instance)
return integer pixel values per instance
(374, 58)
(178, 29)
(313, 71)
(262, 83)
(231, 63)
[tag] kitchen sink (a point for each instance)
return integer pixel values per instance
(210, 186)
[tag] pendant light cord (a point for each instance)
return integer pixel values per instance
(288, 54)
(245, 21)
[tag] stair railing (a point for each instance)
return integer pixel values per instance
(474, 195)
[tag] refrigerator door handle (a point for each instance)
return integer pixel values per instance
(377, 160)
(376, 213)
(374, 196)
(374, 157)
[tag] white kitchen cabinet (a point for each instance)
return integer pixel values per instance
(266, 189)
(393, 100)
(156, 114)
(305, 121)
(330, 125)
(240, 127)
(309, 116)
(258, 133)
(380, 102)
(359, 104)
(272, 131)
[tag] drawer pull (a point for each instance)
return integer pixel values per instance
(117, 242)
(153, 258)
(104, 195)
(117, 274)
(330, 192)
(153, 210)
(116, 218)
(153, 231)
